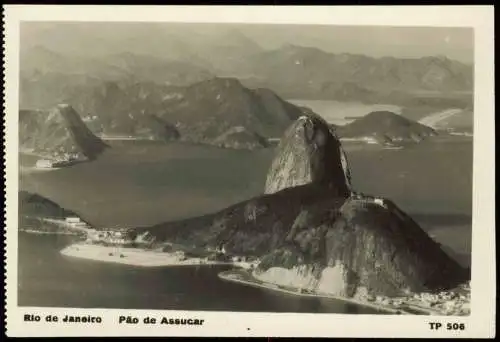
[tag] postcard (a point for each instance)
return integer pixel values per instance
(249, 171)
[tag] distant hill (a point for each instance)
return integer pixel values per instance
(240, 138)
(56, 132)
(114, 66)
(48, 78)
(291, 71)
(151, 126)
(299, 72)
(35, 209)
(207, 109)
(386, 127)
(202, 112)
(34, 205)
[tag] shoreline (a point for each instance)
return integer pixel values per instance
(274, 287)
(136, 256)
(41, 232)
(140, 257)
(407, 308)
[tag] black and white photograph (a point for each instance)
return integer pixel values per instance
(247, 168)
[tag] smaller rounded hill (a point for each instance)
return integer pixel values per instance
(386, 127)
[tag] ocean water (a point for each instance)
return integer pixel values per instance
(48, 279)
(141, 185)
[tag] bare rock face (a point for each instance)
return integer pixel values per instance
(58, 131)
(369, 245)
(309, 152)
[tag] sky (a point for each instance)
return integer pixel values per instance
(375, 41)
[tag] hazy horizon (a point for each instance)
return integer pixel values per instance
(376, 41)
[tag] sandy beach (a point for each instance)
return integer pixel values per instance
(41, 232)
(136, 256)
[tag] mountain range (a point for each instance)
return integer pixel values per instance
(217, 111)
(291, 71)
(211, 111)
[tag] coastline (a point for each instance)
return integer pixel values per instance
(410, 307)
(149, 258)
(136, 256)
(140, 257)
(274, 287)
(41, 232)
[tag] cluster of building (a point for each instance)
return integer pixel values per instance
(447, 302)
(383, 300)
(64, 159)
(76, 222)
(367, 198)
(367, 139)
(119, 237)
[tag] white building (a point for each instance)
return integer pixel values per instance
(143, 238)
(73, 220)
(397, 302)
(387, 301)
(44, 164)
(93, 235)
(117, 240)
(370, 140)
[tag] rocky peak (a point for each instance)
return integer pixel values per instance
(61, 130)
(309, 152)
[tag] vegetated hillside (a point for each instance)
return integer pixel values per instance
(207, 109)
(154, 128)
(253, 227)
(309, 226)
(34, 205)
(33, 209)
(309, 152)
(386, 127)
(200, 113)
(58, 131)
(240, 138)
